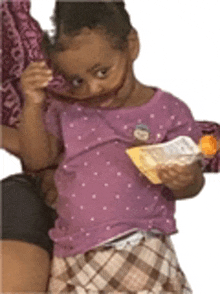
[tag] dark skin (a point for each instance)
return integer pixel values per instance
(184, 181)
(101, 76)
(10, 142)
(25, 266)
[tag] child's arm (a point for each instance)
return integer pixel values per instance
(9, 140)
(39, 149)
(185, 181)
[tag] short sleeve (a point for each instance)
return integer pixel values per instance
(52, 119)
(182, 123)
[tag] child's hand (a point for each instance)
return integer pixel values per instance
(177, 177)
(33, 81)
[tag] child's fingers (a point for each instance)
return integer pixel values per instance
(174, 183)
(35, 72)
(38, 79)
(36, 84)
(38, 64)
(167, 176)
(35, 81)
(174, 176)
(167, 180)
(39, 72)
(37, 68)
(176, 169)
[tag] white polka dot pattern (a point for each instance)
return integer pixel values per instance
(159, 136)
(107, 189)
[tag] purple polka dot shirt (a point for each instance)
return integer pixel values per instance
(101, 193)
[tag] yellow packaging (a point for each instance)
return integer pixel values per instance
(146, 165)
(181, 150)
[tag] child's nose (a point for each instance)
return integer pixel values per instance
(95, 88)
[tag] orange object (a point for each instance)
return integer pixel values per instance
(208, 145)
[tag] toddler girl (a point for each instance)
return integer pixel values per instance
(112, 233)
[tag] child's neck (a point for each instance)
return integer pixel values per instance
(141, 95)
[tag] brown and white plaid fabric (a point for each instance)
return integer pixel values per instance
(150, 267)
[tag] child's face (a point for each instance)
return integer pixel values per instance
(98, 74)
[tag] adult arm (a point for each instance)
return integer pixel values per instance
(9, 140)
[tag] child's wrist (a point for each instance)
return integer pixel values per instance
(33, 105)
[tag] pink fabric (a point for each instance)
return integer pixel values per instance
(21, 44)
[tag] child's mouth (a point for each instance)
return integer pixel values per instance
(101, 102)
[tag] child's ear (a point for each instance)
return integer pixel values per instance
(133, 44)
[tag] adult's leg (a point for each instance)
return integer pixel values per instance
(26, 247)
(25, 267)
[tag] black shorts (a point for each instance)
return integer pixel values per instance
(25, 216)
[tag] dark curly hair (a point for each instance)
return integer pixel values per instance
(110, 16)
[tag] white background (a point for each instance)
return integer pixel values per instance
(180, 53)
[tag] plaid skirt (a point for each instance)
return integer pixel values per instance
(150, 267)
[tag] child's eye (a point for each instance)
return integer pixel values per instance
(102, 73)
(77, 83)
